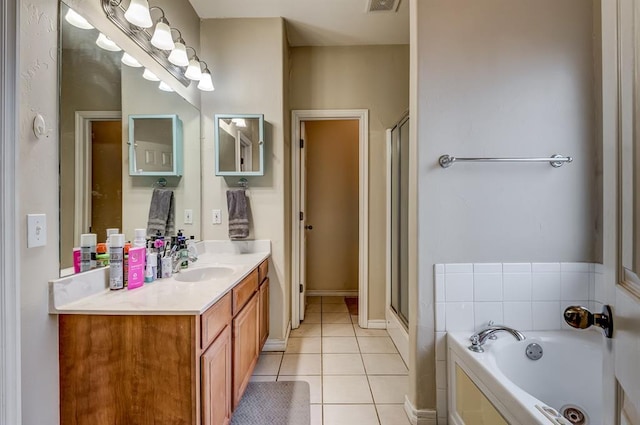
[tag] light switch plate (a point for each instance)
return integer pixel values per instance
(217, 216)
(188, 216)
(36, 230)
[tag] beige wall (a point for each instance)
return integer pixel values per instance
(498, 78)
(332, 166)
(140, 96)
(359, 77)
(247, 58)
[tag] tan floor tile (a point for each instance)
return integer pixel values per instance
(335, 308)
(339, 344)
(376, 345)
(307, 329)
(364, 414)
(336, 318)
(301, 364)
(315, 385)
(384, 364)
(342, 364)
(268, 364)
(312, 318)
(316, 414)
(314, 300)
(313, 308)
(333, 300)
(369, 332)
(261, 378)
(389, 389)
(331, 329)
(346, 390)
(306, 345)
(354, 319)
(392, 414)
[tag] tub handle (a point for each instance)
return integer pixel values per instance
(581, 318)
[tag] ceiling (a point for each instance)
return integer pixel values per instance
(319, 22)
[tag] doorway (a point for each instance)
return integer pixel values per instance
(330, 226)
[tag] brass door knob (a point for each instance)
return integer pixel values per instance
(581, 318)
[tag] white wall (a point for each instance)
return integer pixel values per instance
(498, 78)
(247, 58)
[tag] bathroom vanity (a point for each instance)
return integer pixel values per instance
(180, 350)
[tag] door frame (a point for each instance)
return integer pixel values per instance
(362, 116)
(10, 369)
(82, 175)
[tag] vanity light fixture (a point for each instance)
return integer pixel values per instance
(107, 44)
(165, 87)
(162, 34)
(178, 55)
(138, 14)
(193, 71)
(75, 19)
(129, 60)
(148, 75)
(205, 83)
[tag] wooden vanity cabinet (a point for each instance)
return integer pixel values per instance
(169, 369)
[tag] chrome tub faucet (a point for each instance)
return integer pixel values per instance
(479, 338)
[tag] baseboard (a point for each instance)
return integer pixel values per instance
(398, 334)
(330, 293)
(277, 344)
(419, 417)
(377, 324)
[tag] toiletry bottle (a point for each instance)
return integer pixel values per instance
(159, 248)
(125, 263)
(88, 251)
(110, 231)
(192, 251)
(116, 257)
(102, 255)
(77, 259)
(136, 272)
(140, 238)
(153, 262)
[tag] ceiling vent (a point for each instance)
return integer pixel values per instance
(383, 5)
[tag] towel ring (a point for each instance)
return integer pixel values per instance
(244, 183)
(161, 182)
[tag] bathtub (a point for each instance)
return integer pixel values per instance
(567, 378)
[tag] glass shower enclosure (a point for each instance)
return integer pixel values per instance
(399, 216)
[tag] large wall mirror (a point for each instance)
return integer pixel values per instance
(97, 95)
(239, 144)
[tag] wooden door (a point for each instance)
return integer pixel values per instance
(216, 381)
(245, 347)
(264, 312)
(106, 176)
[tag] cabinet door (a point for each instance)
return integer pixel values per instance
(245, 347)
(216, 381)
(264, 312)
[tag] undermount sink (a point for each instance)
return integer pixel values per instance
(203, 273)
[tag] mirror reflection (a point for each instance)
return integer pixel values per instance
(99, 89)
(239, 144)
(155, 145)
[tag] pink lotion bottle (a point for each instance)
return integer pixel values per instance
(137, 257)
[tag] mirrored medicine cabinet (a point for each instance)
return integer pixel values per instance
(155, 145)
(239, 141)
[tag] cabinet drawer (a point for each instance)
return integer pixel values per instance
(215, 319)
(244, 290)
(263, 270)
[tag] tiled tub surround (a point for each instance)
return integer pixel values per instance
(525, 296)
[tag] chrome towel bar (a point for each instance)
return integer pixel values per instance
(555, 161)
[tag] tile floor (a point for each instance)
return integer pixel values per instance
(356, 375)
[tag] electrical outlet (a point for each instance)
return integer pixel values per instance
(36, 230)
(217, 216)
(188, 216)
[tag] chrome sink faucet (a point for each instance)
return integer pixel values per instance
(479, 338)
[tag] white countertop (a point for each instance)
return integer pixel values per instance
(88, 293)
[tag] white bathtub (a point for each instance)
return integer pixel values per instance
(568, 374)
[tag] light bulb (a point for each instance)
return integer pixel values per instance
(77, 21)
(193, 71)
(178, 55)
(162, 36)
(148, 75)
(206, 84)
(107, 44)
(129, 60)
(165, 87)
(138, 14)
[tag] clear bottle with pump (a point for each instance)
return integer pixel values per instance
(116, 259)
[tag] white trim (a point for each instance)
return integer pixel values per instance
(278, 344)
(10, 384)
(82, 196)
(362, 115)
(331, 293)
(398, 334)
(419, 417)
(377, 324)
